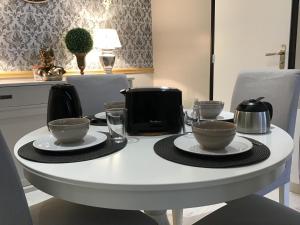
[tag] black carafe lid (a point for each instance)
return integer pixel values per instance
(252, 105)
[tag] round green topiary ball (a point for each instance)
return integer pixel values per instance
(79, 40)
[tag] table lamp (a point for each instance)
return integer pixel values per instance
(107, 40)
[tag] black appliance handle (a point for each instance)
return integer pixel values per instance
(270, 108)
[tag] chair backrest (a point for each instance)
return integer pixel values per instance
(13, 205)
(279, 87)
(95, 90)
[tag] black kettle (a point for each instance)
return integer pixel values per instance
(253, 116)
(63, 102)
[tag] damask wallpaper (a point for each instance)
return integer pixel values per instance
(26, 27)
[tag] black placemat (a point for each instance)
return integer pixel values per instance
(31, 153)
(165, 148)
(96, 121)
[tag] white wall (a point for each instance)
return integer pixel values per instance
(142, 80)
(181, 46)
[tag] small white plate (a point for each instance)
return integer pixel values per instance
(49, 143)
(188, 143)
(224, 115)
(101, 115)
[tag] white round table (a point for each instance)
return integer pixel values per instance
(137, 178)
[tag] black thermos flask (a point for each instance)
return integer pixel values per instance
(63, 102)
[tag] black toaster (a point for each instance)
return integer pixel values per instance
(153, 111)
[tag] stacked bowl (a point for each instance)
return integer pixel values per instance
(210, 109)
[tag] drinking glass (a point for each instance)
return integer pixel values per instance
(116, 121)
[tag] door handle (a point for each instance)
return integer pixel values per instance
(281, 53)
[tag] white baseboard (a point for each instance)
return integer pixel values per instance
(29, 188)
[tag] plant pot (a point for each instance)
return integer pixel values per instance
(81, 61)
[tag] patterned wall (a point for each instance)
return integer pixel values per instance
(26, 27)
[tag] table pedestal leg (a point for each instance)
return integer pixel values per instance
(159, 216)
(284, 191)
(177, 215)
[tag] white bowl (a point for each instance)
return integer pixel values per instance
(69, 130)
(214, 135)
(210, 109)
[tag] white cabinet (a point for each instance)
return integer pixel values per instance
(27, 95)
(23, 108)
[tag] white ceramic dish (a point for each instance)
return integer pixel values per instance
(224, 116)
(188, 143)
(101, 115)
(49, 143)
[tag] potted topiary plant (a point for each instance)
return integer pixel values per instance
(79, 42)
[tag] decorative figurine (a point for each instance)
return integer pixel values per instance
(47, 71)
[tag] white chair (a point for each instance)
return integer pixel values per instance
(252, 210)
(281, 89)
(15, 211)
(95, 90)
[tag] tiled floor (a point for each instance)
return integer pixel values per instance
(190, 215)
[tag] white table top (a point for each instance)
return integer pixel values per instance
(137, 178)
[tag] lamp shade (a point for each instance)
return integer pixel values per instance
(106, 39)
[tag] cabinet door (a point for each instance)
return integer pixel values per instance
(24, 111)
(13, 128)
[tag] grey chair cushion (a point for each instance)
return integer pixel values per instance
(95, 90)
(59, 212)
(252, 210)
(280, 88)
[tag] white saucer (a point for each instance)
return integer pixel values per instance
(101, 115)
(188, 143)
(49, 143)
(224, 115)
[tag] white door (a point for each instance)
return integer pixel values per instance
(245, 30)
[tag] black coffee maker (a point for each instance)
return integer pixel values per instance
(63, 102)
